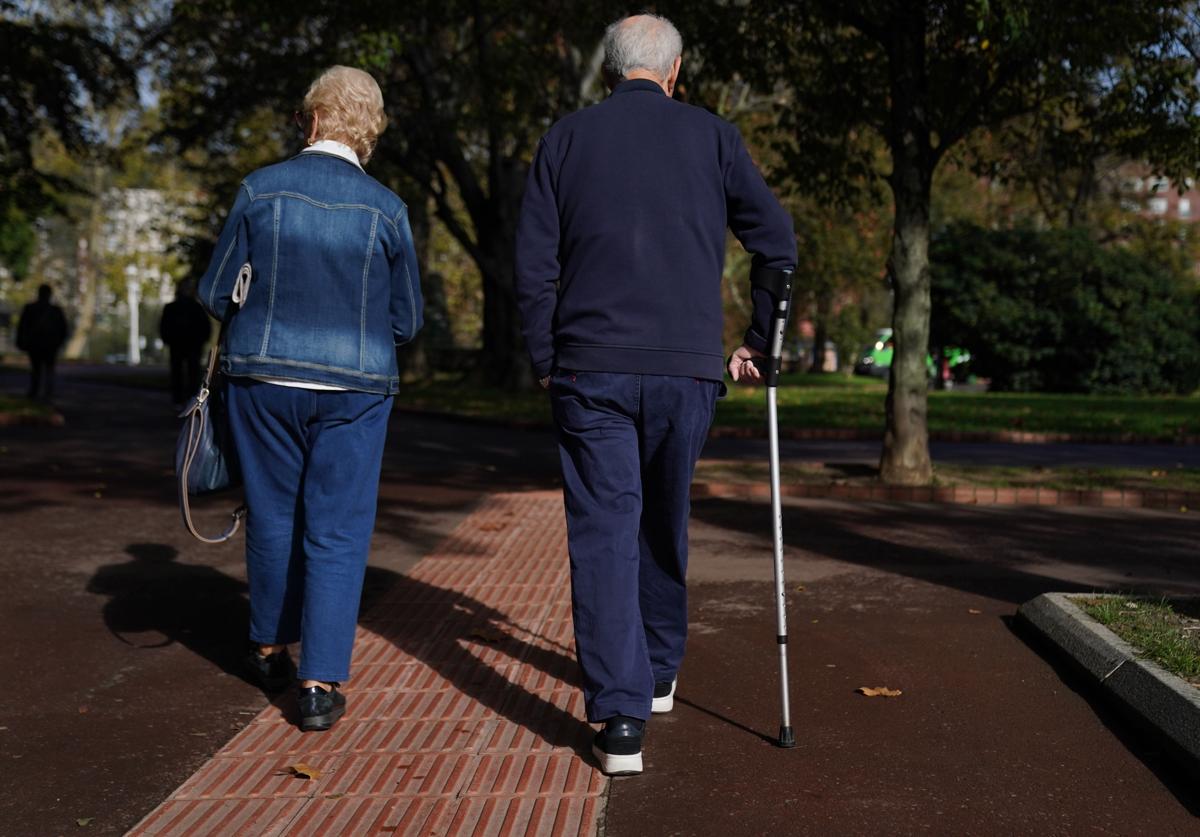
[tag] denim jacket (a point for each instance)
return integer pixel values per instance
(333, 276)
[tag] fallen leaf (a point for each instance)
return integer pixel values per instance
(800, 588)
(488, 635)
(97, 495)
(974, 611)
(198, 734)
(1183, 508)
(830, 665)
(83, 822)
(1156, 473)
(301, 771)
(879, 691)
(83, 710)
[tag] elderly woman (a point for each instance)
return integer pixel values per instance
(309, 354)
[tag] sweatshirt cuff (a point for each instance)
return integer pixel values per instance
(542, 368)
(755, 340)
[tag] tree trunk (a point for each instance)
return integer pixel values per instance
(85, 293)
(413, 359)
(905, 459)
(504, 363)
(821, 331)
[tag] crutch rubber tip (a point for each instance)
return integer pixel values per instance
(787, 738)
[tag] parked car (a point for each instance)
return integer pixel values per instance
(876, 360)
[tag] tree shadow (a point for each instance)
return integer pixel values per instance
(1007, 553)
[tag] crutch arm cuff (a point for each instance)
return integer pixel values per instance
(778, 283)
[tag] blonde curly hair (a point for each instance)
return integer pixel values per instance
(349, 108)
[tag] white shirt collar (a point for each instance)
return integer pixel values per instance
(337, 149)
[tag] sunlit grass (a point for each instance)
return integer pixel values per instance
(839, 401)
(1165, 633)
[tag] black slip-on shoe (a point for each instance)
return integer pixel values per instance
(664, 697)
(274, 672)
(319, 709)
(618, 747)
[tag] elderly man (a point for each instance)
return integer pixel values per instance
(620, 250)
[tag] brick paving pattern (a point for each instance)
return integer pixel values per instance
(464, 715)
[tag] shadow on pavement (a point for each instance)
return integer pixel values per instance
(155, 601)
(1142, 743)
(1012, 553)
(477, 648)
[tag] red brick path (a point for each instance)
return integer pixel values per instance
(463, 712)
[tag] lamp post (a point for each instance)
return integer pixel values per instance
(133, 296)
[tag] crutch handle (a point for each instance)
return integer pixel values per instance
(778, 283)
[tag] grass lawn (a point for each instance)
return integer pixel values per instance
(838, 401)
(821, 401)
(1168, 634)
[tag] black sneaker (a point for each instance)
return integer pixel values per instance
(664, 697)
(618, 747)
(319, 709)
(273, 672)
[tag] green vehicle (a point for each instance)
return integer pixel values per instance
(876, 360)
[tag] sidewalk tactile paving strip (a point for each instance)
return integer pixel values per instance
(463, 717)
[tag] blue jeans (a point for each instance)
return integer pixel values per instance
(628, 445)
(310, 460)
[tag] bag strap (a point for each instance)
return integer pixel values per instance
(198, 417)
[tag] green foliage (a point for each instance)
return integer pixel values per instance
(56, 60)
(1054, 311)
(16, 241)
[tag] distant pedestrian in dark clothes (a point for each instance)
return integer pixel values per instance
(185, 328)
(620, 251)
(41, 331)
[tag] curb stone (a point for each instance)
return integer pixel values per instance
(967, 495)
(1154, 696)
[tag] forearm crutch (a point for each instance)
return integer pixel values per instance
(778, 283)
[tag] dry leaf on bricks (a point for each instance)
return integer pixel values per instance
(301, 771)
(879, 691)
(488, 635)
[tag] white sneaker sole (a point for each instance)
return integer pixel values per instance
(659, 705)
(611, 765)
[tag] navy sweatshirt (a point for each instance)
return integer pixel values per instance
(621, 240)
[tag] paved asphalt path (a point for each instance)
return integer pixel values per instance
(124, 637)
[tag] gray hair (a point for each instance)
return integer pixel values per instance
(641, 42)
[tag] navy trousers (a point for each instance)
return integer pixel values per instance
(628, 445)
(310, 462)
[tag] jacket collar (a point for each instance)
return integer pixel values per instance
(630, 85)
(334, 149)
